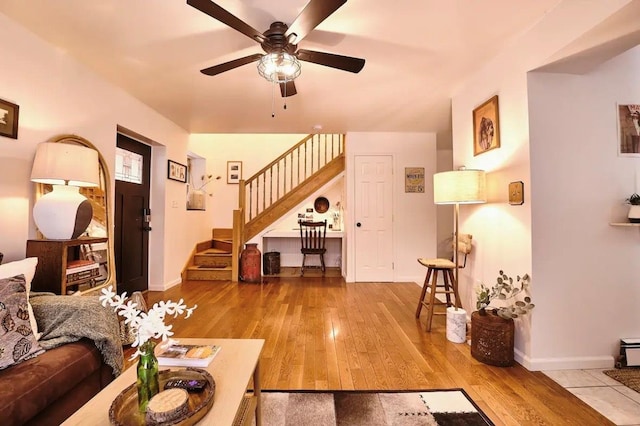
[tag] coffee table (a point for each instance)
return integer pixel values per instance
(232, 369)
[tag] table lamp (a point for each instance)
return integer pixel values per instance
(459, 187)
(64, 213)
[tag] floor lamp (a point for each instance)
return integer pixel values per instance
(459, 187)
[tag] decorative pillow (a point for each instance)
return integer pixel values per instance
(26, 267)
(17, 342)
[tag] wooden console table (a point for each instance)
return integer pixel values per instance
(236, 371)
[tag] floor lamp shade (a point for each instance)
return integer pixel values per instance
(459, 187)
(64, 213)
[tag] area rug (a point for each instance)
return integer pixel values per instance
(630, 377)
(360, 408)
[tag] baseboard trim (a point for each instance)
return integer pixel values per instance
(166, 286)
(568, 363)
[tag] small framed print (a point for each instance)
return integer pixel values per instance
(9, 119)
(629, 130)
(234, 171)
(414, 179)
(177, 171)
(486, 127)
(516, 193)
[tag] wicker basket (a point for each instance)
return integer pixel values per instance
(492, 339)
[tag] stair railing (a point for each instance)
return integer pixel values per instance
(289, 170)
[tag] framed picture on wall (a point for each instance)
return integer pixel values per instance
(629, 130)
(177, 171)
(234, 171)
(9, 119)
(486, 127)
(414, 179)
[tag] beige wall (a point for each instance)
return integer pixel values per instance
(56, 96)
(414, 214)
(503, 233)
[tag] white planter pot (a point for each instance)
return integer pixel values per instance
(634, 214)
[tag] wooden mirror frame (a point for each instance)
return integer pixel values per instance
(105, 185)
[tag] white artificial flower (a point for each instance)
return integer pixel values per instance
(148, 325)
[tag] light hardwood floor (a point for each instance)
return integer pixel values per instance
(322, 333)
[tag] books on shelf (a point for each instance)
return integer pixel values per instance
(80, 270)
(81, 276)
(180, 355)
(74, 266)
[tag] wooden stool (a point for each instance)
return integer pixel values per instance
(431, 282)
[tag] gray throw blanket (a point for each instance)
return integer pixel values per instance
(65, 319)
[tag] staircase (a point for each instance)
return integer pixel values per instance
(264, 198)
(211, 260)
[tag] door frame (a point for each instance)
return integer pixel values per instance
(127, 139)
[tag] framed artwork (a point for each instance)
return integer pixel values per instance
(516, 193)
(414, 179)
(486, 127)
(177, 171)
(9, 119)
(234, 171)
(629, 130)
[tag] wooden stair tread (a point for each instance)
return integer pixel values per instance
(207, 267)
(214, 251)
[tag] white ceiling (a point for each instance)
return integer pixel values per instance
(417, 52)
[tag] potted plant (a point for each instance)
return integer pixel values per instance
(492, 327)
(634, 209)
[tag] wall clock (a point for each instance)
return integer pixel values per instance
(516, 193)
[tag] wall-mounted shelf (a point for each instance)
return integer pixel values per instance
(624, 224)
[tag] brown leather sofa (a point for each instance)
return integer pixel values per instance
(47, 389)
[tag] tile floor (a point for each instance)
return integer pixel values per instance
(609, 397)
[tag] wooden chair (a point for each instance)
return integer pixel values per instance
(312, 240)
(448, 288)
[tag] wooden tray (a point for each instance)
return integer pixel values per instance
(124, 409)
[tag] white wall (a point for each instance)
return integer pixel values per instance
(586, 271)
(57, 96)
(414, 214)
(503, 233)
(254, 150)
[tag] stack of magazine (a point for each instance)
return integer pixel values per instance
(182, 355)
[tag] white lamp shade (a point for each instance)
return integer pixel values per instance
(57, 163)
(459, 187)
(63, 213)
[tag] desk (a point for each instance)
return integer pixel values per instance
(287, 242)
(232, 369)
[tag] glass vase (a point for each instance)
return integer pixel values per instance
(147, 381)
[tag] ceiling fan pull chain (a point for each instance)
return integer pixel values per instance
(285, 93)
(273, 99)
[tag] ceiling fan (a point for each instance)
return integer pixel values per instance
(280, 42)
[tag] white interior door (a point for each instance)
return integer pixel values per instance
(374, 218)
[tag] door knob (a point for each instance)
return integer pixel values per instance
(358, 224)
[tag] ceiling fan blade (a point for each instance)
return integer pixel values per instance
(288, 89)
(313, 13)
(218, 13)
(345, 63)
(217, 69)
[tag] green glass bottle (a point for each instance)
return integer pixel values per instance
(147, 381)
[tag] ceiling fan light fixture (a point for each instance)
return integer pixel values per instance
(279, 67)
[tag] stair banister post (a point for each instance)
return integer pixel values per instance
(242, 196)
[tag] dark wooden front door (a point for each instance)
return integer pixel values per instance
(131, 241)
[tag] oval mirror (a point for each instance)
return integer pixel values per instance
(99, 247)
